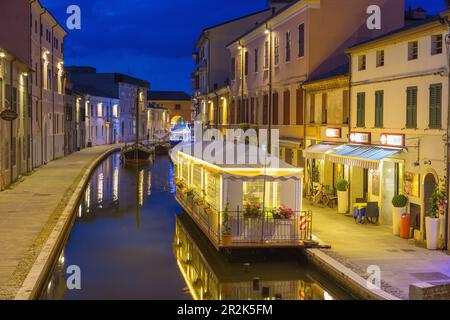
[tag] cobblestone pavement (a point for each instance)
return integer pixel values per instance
(30, 208)
(402, 262)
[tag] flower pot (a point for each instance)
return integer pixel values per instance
(396, 217)
(227, 240)
(441, 231)
(342, 201)
(432, 232)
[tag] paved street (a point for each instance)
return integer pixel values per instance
(359, 246)
(29, 210)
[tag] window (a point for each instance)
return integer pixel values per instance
(435, 106)
(362, 62)
(246, 63)
(100, 110)
(255, 192)
(436, 44)
(411, 107)
(266, 55)
(300, 109)
(178, 107)
(324, 107)
(68, 113)
(345, 108)
(277, 50)
(266, 109)
(361, 110)
(287, 107)
(380, 58)
(15, 100)
(301, 40)
(413, 50)
(275, 108)
(312, 108)
(256, 60)
(233, 69)
(288, 46)
(379, 102)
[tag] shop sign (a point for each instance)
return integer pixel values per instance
(360, 137)
(8, 115)
(394, 140)
(333, 133)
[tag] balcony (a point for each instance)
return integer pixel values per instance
(247, 230)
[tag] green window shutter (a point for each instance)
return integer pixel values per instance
(435, 106)
(361, 106)
(411, 107)
(379, 102)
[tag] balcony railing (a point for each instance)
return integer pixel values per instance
(260, 231)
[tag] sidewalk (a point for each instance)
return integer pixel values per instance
(358, 246)
(30, 209)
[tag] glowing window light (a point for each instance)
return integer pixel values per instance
(100, 188)
(116, 184)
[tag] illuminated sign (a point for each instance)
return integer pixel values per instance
(360, 137)
(333, 133)
(395, 140)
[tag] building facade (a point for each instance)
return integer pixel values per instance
(270, 63)
(177, 103)
(47, 85)
(399, 99)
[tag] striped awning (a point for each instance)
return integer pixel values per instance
(367, 157)
(318, 151)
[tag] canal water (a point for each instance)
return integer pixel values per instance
(131, 240)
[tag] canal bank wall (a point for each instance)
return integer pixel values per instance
(356, 285)
(35, 280)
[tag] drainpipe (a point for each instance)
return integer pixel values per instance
(446, 239)
(242, 80)
(349, 126)
(52, 89)
(269, 149)
(11, 122)
(42, 86)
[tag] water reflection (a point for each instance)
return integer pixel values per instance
(210, 276)
(123, 242)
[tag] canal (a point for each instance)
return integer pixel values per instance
(131, 240)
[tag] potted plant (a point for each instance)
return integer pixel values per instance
(399, 203)
(189, 192)
(342, 192)
(283, 213)
(180, 184)
(282, 222)
(252, 211)
(227, 234)
(438, 201)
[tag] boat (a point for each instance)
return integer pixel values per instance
(137, 153)
(162, 143)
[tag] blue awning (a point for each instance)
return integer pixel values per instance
(367, 157)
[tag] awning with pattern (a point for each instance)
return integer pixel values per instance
(367, 157)
(318, 151)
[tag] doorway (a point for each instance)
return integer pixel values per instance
(429, 185)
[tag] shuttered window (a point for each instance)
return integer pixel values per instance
(411, 107)
(379, 104)
(345, 108)
(435, 106)
(324, 107)
(266, 109)
(287, 108)
(300, 109)
(361, 110)
(275, 108)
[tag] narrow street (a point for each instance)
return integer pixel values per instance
(358, 246)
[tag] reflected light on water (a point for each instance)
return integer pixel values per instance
(141, 187)
(100, 188)
(149, 183)
(116, 184)
(88, 197)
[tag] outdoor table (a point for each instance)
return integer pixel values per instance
(359, 211)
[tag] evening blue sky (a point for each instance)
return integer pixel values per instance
(152, 39)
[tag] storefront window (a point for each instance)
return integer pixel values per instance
(213, 190)
(411, 184)
(197, 178)
(254, 193)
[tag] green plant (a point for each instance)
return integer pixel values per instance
(225, 222)
(438, 203)
(252, 211)
(342, 185)
(189, 192)
(180, 184)
(283, 213)
(399, 201)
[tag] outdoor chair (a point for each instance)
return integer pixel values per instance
(372, 212)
